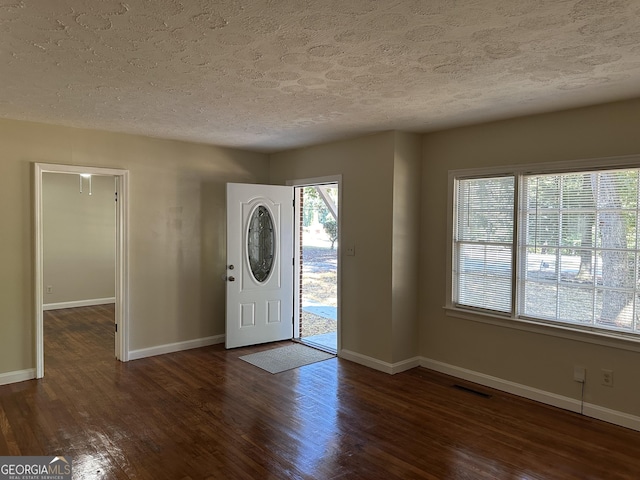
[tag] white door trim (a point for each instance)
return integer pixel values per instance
(307, 182)
(122, 255)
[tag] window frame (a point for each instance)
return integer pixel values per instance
(589, 334)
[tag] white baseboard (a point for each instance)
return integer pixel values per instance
(79, 303)
(390, 368)
(612, 416)
(542, 396)
(175, 347)
(17, 376)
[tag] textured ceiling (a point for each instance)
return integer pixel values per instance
(269, 75)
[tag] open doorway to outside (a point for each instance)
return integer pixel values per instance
(316, 320)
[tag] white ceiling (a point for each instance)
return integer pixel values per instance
(269, 75)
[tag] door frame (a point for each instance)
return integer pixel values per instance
(310, 182)
(122, 255)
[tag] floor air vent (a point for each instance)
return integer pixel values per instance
(471, 390)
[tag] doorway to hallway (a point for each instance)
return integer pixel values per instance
(317, 224)
(121, 306)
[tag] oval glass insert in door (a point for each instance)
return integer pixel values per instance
(261, 243)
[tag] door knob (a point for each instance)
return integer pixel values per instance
(232, 279)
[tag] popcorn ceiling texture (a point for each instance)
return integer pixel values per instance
(269, 75)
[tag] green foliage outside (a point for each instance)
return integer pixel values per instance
(331, 228)
(314, 204)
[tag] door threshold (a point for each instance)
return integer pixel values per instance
(317, 346)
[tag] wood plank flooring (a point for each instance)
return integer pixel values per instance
(205, 414)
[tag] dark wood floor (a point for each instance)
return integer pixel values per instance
(205, 414)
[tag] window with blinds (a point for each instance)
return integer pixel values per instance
(483, 243)
(574, 259)
(580, 248)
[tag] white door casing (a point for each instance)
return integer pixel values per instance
(259, 310)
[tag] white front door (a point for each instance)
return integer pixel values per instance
(259, 264)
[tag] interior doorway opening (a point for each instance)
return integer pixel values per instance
(79, 265)
(121, 305)
(317, 292)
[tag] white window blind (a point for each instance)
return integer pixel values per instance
(483, 243)
(579, 248)
(576, 258)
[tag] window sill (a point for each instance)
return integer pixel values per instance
(604, 338)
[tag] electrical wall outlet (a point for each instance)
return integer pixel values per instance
(606, 377)
(579, 374)
(350, 250)
(49, 288)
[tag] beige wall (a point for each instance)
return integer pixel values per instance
(535, 360)
(377, 319)
(177, 229)
(178, 239)
(79, 232)
(406, 246)
(366, 165)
